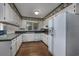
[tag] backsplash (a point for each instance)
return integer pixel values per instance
(2, 32)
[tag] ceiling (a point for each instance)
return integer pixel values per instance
(27, 9)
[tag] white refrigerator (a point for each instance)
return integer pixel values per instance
(64, 40)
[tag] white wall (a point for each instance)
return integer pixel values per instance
(10, 28)
(1, 26)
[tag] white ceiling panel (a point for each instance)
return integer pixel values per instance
(26, 9)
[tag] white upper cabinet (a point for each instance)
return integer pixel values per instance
(11, 16)
(77, 8)
(71, 8)
(1, 11)
(74, 8)
(8, 14)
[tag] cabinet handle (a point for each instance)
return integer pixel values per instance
(4, 4)
(10, 48)
(4, 18)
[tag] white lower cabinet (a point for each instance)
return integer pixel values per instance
(19, 41)
(13, 47)
(5, 48)
(16, 43)
(44, 38)
(31, 37)
(28, 37)
(9, 48)
(37, 36)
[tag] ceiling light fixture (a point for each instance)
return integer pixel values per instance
(36, 11)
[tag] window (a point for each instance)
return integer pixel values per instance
(29, 25)
(35, 26)
(32, 26)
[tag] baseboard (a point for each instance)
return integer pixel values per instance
(18, 49)
(47, 47)
(36, 41)
(50, 54)
(31, 41)
(44, 43)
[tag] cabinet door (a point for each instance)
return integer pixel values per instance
(71, 8)
(76, 8)
(20, 37)
(8, 13)
(28, 37)
(19, 41)
(11, 16)
(5, 48)
(1, 11)
(45, 38)
(14, 47)
(37, 37)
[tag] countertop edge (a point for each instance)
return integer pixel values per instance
(11, 38)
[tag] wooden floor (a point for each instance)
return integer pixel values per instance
(33, 49)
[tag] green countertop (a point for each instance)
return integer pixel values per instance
(8, 37)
